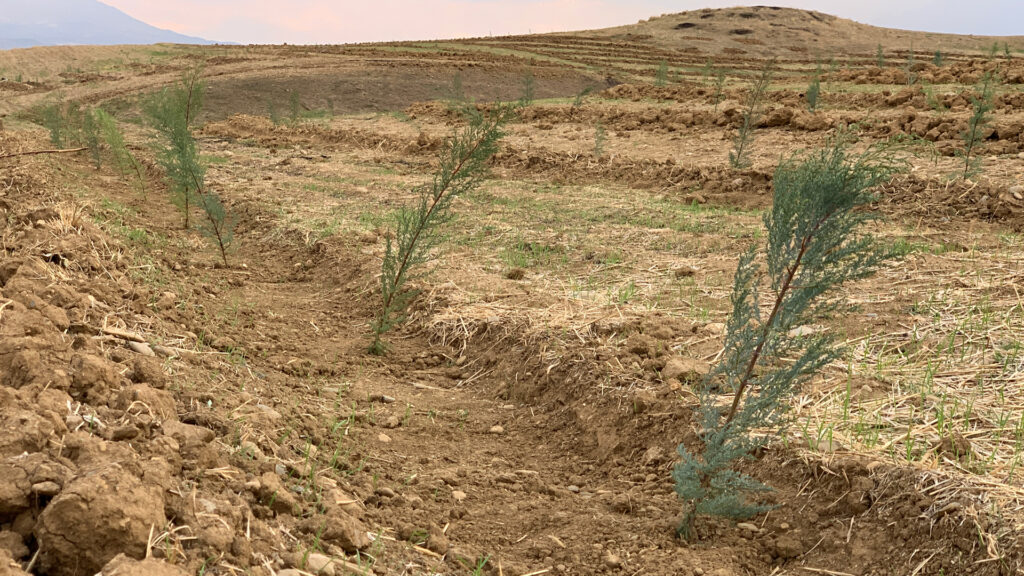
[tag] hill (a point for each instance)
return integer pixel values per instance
(60, 22)
(786, 32)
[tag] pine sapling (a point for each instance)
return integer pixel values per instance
(529, 89)
(880, 57)
(938, 59)
(599, 138)
(91, 137)
(463, 165)
(833, 74)
(578, 100)
(739, 157)
(661, 74)
(171, 113)
(114, 140)
(814, 90)
(719, 93)
(981, 108)
(455, 94)
(815, 244)
(218, 224)
(908, 68)
(295, 108)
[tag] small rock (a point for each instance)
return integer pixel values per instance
(338, 528)
(787, 547)
(1018, 192)
(574, 489)
(496, 430)
(715, 328)
(46, 488)
(392, 422)
(437, 541)
(249, 449)
(685, 272)
(385, 492)
(274, 494)
(320, 564)
(141, 348)
(458, 495)
(122, 433)
(123, 565)
(383, 399)
(612, 561)
(166, 300)
(654, 456)
(384, 438)
(695, 198)
(684, 369)
(801, 331)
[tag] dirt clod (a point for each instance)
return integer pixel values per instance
(100, 514)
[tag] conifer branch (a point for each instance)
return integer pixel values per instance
(463, 162)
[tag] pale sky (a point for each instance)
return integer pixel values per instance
(342, 21)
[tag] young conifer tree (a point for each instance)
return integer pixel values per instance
(982, 102)
(529, 89)
(114, 139)
(814, 89)
(815, 244)
(171, 113)
(661, 74)
(407, 254)
(739, 156)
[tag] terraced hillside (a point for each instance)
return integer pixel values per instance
(162, 413)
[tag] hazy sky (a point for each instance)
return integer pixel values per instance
(339, 21)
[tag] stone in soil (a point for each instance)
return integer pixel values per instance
(338, 528)
(122, 565)
(684, 369)
(100, 514)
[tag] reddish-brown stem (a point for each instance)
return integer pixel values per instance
(433, 206)
(779, 298)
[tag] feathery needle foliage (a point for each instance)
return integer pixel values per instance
(815, 244)
(814, 90)
(719, 93)
(981, 108)
(661, 74)
(529, 89)
(463, 165)
(739, 156)
(114, 139)
(171, 112)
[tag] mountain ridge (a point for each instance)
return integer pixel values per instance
(77, 22)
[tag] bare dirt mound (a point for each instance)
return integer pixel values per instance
(785, 32)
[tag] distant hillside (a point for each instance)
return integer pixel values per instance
(760, 31)
(25, 23)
